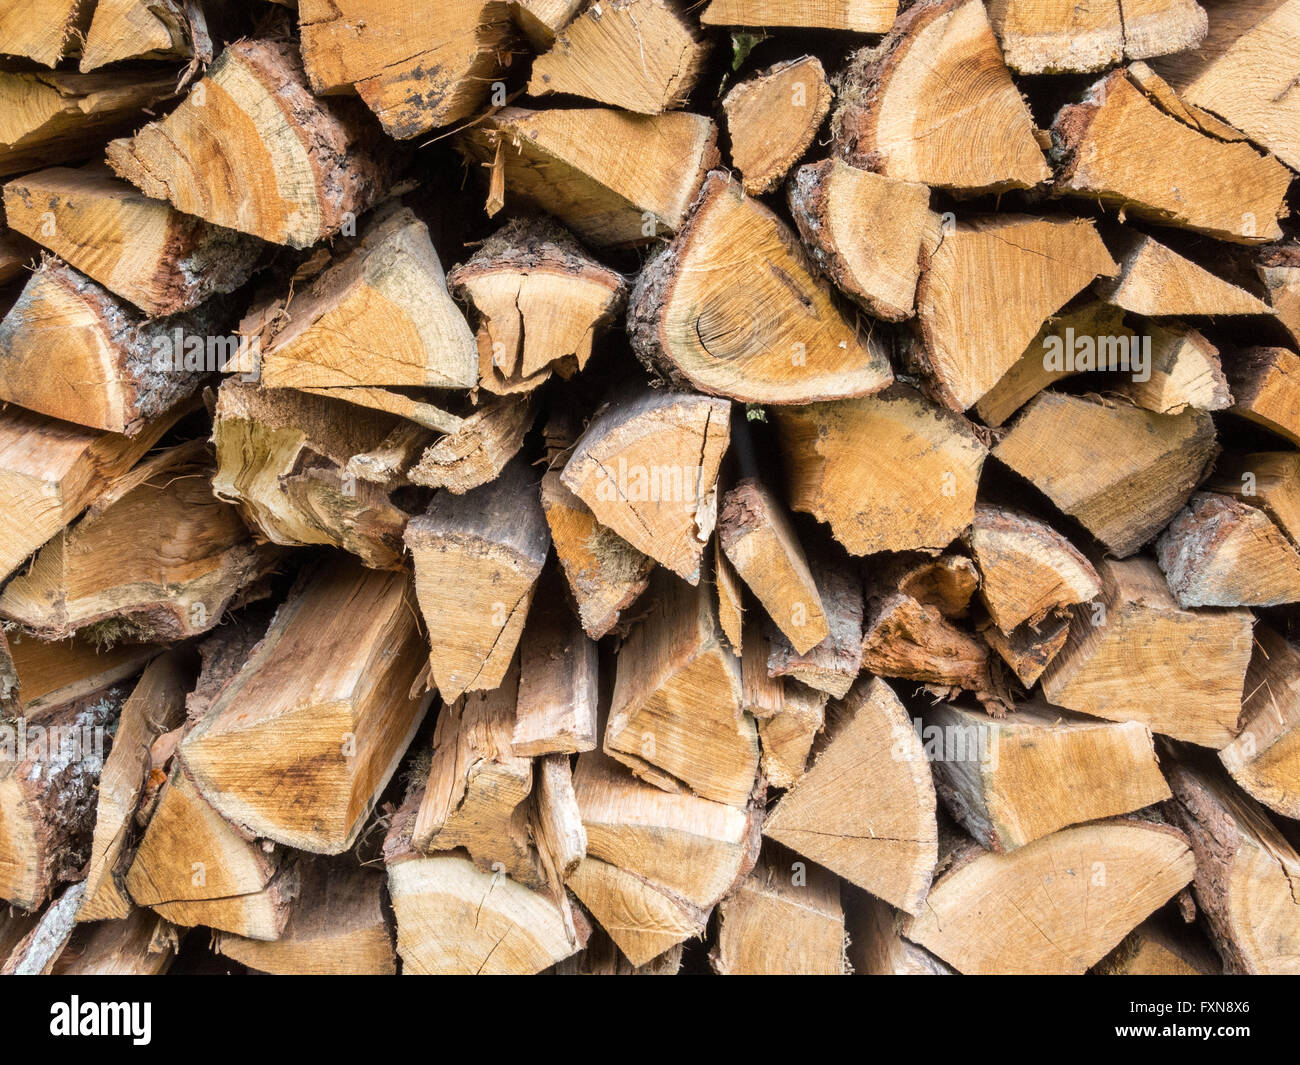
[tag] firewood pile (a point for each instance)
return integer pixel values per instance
(635, 487)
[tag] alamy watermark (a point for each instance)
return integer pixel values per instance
(1073, 353)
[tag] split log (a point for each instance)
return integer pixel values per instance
(605, 573)
(250, 148)
(1269, 480)
(787, 737)
(1064, 901)
(45, 31)
(755, 533)
(1155, 280)
(336, 927)
(558, 669)
(1058, 37)
(640, 55)
(865, 809)
(556, 160)
(478, 449)
(140, 249)
(557, 820)
(876, 947)
(49, 776)
(1278, 269)
(142, 944)
(1184, 371)
(281, 458)
(37, 954)
(413, 72)
(1013, 781)
(477, 786)
(65, 330)
(647, 466)
(50, 471)
(1266, 385)
(1231, 73)
(832, 665)
(1121, 471)
(731, 599)
(734, 307)
(1029, 649)
(1026, 267)
(1028, 570)
(1157, 948)
(772, 119)
(1265, 757)
(1036, 370)
(935, 103)
(39, 677)
(148, 29)
(379, 314)
(1246, 870)
(477, 560)
(781, 892)
(657, 862)
(1138, 656)
(541, 302)
(61, 117)
(919, 490)
(163, 562)
(866, 232)
(1189, 179)
(676, 715)
(541, 20)
(328, 688)
(859, 16)
(155, 706)
(1218, 551)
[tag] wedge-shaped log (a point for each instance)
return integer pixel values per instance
(477, 785)
(917, 492)
(1028, 570)
(832, 665)
(676, 715)
(1237, 72)
(39, 677)
(647, 466)
(50, 471)
(1245, 869)
(865, 809)
(1013, 781)
(163, 562)
(557, 160)
(330, 688)
(787, 737)
(66, 330)
(44, 31)
(781, 892)
(734, 307)
(1026, 267)
(773, 117)
(250, 148)
(156, 705)
(1188, 179)
(415, 73)
(1265, 757)
(149, 29)
(556, 713)
(477, 561)
(1138, 656)
(1158, 947)
(541, 302)
(640, 55)
(1219, 551)
(859, 16)
(59, 116)
(193, 868)
(1121, 471)
(1269, 480)
(1184, 371)
(1058, 37)
(866, 232)
(476, 450)
(336, 927)
(49, 775)
(380, 314)
(282, 457)
(936, 104)
(1155, 280)
(1266, 386)
(1116, 872)
(657, 862)
(140, 249)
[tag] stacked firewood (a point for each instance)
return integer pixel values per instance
(621, 486)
